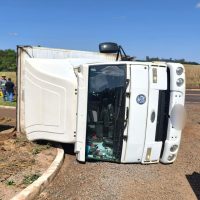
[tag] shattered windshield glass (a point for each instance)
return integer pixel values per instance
(105, 115)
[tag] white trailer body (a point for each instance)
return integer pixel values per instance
(119, 111)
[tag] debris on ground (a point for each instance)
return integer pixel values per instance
(21, 161)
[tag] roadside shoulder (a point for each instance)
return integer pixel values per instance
(41, 183)
(8, 107)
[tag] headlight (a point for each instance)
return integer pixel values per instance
(171, 157)
(179, 70)
(179, 82)
(173, 148)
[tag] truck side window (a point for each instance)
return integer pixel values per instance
(105, 115)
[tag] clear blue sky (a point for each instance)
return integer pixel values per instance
(163, 28)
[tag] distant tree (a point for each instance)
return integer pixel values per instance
(8, 60)
(182, 61)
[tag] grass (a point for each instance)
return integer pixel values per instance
(10, 182)
(21, 139)
(7, 103)
(38, 148)
(30, 179)
(11, 75)
(192, 76)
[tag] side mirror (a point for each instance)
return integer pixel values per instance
(108, 47)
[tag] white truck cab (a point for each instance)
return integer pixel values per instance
(118, 111)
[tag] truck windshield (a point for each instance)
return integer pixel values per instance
(105, 112)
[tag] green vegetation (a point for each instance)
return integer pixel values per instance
(21, 139)
(8, 60)
(10, 182)
(38, 148)
(11, 75)
(182, 61)
(6, 103)
(30, 179)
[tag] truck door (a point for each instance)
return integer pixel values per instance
(50, 100)
(157, 87)
(105, 112)
(136, 131)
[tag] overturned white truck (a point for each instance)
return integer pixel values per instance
(119, 111)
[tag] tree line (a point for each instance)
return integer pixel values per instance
(182, 61)
(8, 60)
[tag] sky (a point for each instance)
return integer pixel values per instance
(155, 28)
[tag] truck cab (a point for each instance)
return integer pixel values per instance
(117, 111)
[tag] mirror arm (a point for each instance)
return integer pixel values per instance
(119, 52)
(120, 47)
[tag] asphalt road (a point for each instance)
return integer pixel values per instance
(193, 96)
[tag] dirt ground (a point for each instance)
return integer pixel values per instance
(21, 162)
(102, 180)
